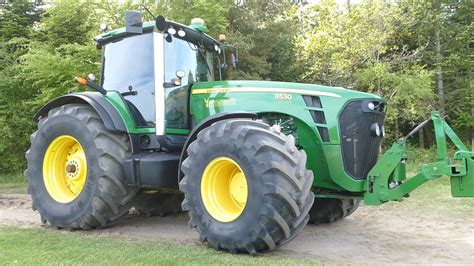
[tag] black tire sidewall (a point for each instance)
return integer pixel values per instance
(247, 222)
(56, 212)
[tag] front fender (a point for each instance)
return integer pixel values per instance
(205, 123)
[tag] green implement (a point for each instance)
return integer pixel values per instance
(387, 180)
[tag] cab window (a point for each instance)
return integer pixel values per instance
(128, 66)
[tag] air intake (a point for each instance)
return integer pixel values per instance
(312, 101)
(318, 117)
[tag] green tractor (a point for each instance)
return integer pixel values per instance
(251, 161)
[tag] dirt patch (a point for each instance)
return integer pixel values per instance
(374, 235)
(15, 209)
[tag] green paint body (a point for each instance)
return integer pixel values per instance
(324, 158)
(385, 182)
(115, 99)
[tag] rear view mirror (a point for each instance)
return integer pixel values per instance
(180, 74)
(160, 23)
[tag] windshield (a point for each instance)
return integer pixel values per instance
(196, 62)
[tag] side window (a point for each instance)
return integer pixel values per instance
(128, 63)
(195, 62)
(177, 107)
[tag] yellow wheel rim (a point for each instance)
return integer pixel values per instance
(224, 189)
(64, 169)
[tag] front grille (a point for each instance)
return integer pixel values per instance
(360, 145)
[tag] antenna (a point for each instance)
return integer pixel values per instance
(147, 10)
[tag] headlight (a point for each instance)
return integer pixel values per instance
(375, 130)
(371, 106)
(171, 31)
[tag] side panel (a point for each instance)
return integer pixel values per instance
(117, 102)
(324, 155)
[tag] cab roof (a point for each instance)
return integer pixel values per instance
(191, 34)
(121, 33)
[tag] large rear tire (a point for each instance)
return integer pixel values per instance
(75, 174)
(331, 210)
(246, 186)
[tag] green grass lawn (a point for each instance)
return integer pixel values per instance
(37, 246)
(13, 183)
(434, 197)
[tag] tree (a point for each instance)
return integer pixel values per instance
(262, 30)
(17, 19)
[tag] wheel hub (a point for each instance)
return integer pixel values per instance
(64, 169)
(72, 169)
(224, 189)
(238, 188)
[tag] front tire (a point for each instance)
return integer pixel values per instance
(57, 169)
(246, 186)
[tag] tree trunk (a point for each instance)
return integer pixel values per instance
(379, 89)
(471, 131)
(421, 138)
(439, 70)
(397, 133)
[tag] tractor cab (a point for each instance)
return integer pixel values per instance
(152, 66)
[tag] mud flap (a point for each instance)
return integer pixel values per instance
(463, 186)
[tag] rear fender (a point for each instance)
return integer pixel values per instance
(109, 115)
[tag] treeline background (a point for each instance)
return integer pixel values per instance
(416, 54)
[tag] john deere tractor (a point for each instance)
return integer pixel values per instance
(251, 161)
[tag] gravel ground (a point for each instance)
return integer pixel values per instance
(373, 235)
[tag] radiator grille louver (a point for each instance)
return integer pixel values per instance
(359, 147)
(318, 117)
(312, 101)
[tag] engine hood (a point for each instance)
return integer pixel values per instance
(278, 87)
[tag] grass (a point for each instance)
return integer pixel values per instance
(12, 183)
(37, 246)
(435, 197)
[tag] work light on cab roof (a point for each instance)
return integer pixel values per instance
(199, 25)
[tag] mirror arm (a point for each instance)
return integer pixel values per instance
(96, 87)
(220, 68)
(90, 84)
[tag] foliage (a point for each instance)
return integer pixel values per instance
(383, 47)
(17, 19)
(259, 29)
(405, 89)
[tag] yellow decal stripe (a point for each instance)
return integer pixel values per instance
(262, 89)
